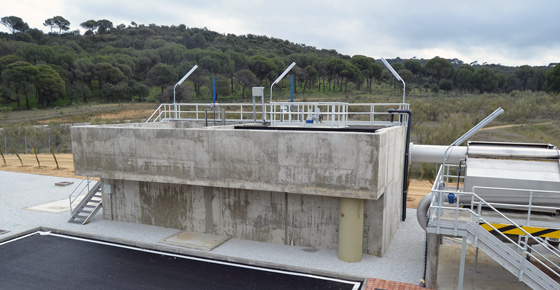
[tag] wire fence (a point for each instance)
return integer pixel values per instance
(38, 139)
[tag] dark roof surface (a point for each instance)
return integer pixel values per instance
(58, 262)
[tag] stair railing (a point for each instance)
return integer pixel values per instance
(523, 246)
(82, 188)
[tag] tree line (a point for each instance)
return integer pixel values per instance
(139, 62)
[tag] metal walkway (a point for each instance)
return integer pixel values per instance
(533, 258)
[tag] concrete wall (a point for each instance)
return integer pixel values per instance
(283, 218)
(272, 186)
(355, 165)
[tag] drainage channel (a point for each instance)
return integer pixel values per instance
(45, 260)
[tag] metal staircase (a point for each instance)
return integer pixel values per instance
(89, 204)
(507, 256)
(532, 258)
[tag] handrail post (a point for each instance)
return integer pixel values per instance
(456, 213)
(525, 244)
(529, 210)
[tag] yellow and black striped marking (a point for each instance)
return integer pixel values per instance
(513, 230)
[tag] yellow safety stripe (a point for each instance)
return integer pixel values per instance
(513, 230)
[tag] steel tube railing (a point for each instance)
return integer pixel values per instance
(78, 191)
(339, 114)
(437, 208)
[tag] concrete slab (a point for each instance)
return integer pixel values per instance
(55, 206)
(198, 241)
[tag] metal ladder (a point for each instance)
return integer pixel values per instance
(90, 204)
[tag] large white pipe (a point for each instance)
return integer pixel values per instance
(422, 210)
(434, 153)
(513, 152)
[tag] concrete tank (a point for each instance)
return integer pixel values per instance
(280, 186)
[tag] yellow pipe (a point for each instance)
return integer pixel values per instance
(351, 230)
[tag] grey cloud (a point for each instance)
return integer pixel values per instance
(512, 31)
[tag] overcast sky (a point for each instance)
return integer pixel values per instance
(510, 32)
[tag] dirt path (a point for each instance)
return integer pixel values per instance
(48, 165)
(511, 126)
(417, 188)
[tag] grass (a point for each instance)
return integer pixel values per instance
(83, 113)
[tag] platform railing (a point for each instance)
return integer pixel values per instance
(357, 113)
(329, 114)
(376, 113)
(536, 248)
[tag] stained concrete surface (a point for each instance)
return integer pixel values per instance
(160, 176)
(62, 205)
(199, 241)
(340, 164)
(283, 218)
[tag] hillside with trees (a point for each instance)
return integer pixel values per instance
(141, 63)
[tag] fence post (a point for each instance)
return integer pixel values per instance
(25, 141)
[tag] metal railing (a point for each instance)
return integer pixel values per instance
(536, 248)
(309, 113)
(235, 112)
(81, 189)
(357, 113)
(376, 113)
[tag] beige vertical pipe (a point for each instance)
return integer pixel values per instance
(351, 229)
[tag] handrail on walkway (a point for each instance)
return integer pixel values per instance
(349, 113)
(537, 248)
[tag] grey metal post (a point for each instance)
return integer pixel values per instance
(254, 109)
(397, 76)
(264, 108)
(476, 261)
(462, 266)
(25, 141)
(179, 83)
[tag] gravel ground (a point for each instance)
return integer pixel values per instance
(403, 261)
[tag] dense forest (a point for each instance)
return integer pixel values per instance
(141, 63)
